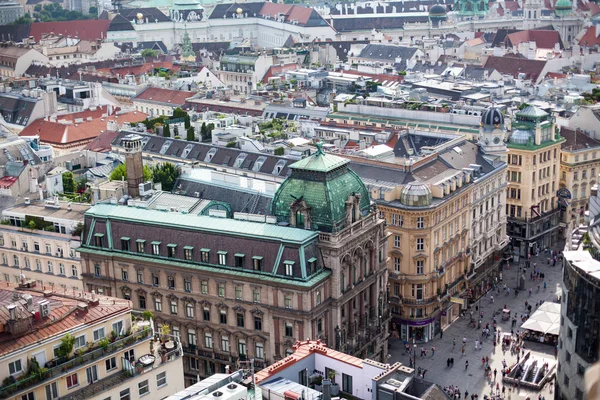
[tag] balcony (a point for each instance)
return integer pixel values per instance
(127, 372)
(425, 301)
(64, 366)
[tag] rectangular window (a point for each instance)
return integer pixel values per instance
(318, 297)
(259, 351)
(257, 323)
(287, 301)
(140, 276)
(289, 268)
(206, 314)
(397, 264)
(74, 271)
(189, 310)
(204, 287)
(158, 304)
(289, 329)
(420, 267)
(91, 374)
(110, 363)
(420, 225)
(79, 342)
(347, 383)
(124, 274)
(141, 246)
(225, 343)
(98, 240)
(205, 256)
(257, 263)
(192, 340)
(52, 391)
(117, 327)
(222, 257)
(171, 282)
(156, 248)
(72, 381)
(173, 307)
(194, 364)
(238, 293)
(171, 250)
(397, 241)
(143, 388)
(142, 300)
(223, 317)
(98, 334)
(221, 289)
(15, 367)
(240, 320)
(420, 244)
(208, 341)
(161, 379)
(188, 253)
(155, 280)
(124, 395)
(187, 284)
(124, 244)
(239, 260)
(256, 295)
(242, 347)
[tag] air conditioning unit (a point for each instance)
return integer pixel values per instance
(44, 308)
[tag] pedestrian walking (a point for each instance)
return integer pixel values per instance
(495, 372)
(454, 343)
(448, 362)
(441, 334)
(466, 364)
(463, 351)
(432, 351)
(476, 344)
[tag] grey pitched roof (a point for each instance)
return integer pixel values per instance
(477, 73)
(410, 144)
(469, 154)
(17, 150)
(240, 199)
(387, 52)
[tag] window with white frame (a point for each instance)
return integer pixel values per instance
(124, 395)
(72, 381)
(225, 343)
(15, 367)
(397, 264)
(242, 347)
(260, 351)
(208, 340)
(420, 267)
(189, 310)
(74, 271)
(420, 222)
(52, 391)
(174, 307)
(79, 342)
(397, 241)
(99, 334)
(143, 388)
(420, 244)
(110, 363)
(192, 338)
(161, 379)
(158, 304)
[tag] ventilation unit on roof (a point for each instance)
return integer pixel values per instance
(44, 306)
(217, 394)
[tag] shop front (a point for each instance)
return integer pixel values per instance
(450, 313)
(418, 330)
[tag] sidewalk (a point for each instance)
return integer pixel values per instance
(473, 380)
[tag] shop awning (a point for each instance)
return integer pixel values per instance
(546, 319)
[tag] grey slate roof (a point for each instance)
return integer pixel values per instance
(388, 53)
(240, 199)
(416, 142)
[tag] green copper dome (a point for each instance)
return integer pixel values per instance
(321, 184)
(563, 7)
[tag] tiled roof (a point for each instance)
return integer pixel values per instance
(63, 316)
(14, 33)
(151, 13)
(82, 132)
(589, 38)
(302, 350)
(165, 96)
(101, 144)
(577, 140)
(90, 29)
(120, 23)
(387, 52)
(514, 66)
(542, 39)
(303, 16)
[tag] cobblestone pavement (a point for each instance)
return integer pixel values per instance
(472, 379)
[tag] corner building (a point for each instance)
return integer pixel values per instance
(234, 290)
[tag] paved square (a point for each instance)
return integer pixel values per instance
(472, 379)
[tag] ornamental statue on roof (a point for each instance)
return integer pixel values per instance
(471, 8)
(187, 52)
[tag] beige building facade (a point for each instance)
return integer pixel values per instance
(109, 355)
(47, 253)
(533, 176)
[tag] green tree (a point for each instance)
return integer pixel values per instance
(179, 113)
(186, 122)
(149, 53)
(25, 19)
(166, 131)
(176, 130)
(210, 127)
(120, 173)
(191, 134)
(203, 132)
(232, 143)
(166, 173)
(68, 182)
(37, 8)
(93, 11)
(279, 151)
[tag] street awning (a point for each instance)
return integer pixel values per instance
(545, 319)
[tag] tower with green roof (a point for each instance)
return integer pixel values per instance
(187, 52)
(322, 194)
(562, 8)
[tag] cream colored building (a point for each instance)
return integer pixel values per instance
(112, 356)
(48, 253)
(579, 169)
(533, 172)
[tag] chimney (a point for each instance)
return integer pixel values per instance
(12, 312)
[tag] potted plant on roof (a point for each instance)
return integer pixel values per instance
(319, 383)
(65, 348)
(335, 388)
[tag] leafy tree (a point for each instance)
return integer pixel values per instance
(25, 19)
(93, 11)
(186, 122)
(166, 131)
(191, 134)
(37, 8)
(166, 173)
(149, 53)
(233, 143)
(210, 127)
(121, 173)
(279, 151)
(179, 113)
(68, 182)
(176, 130)
(163, 74)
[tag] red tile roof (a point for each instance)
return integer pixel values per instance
(513, 66)
(291, 12)
(63, 315)
(167, 96)
(302, 350)
(102, 143)
(85, 30)
(594, 8)
(63, 134)
(511, 5)
(7, 181)
(276, 70)
(542, 39)
(590, 38)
